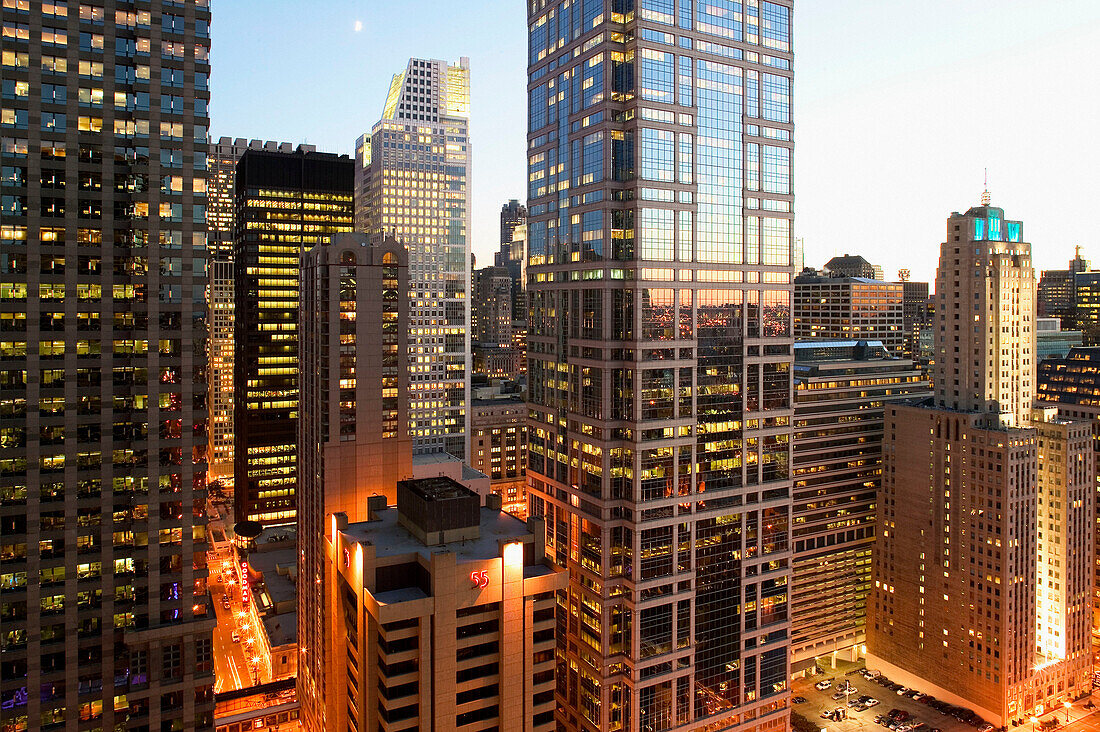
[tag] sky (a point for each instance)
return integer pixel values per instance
(899, 108)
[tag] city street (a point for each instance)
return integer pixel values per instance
(231, 663)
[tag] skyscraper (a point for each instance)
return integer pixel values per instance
(659, 356)
(286, 202)
(975, 598)
(512, 214)
(849, 308)
(1055, 293)
(105, 620)
(220, 216)
(841, 389)
(412, 173)
(445, 615)
(353, 432)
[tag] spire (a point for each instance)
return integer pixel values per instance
(986, 198)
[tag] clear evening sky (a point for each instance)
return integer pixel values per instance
(899, 106)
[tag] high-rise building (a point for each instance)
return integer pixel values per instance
(1053, 342)
(852, 265)
(1072, 384)
(495, 351)
(498, 444)
(512, 214)
(841, 389)
(914, 316)
(1055, 296)
(353, 431)
(444, 615)
(105, 619)
(973, 598)
(1086, 305)
(221, 196)
(412, 177)
(659, 356)
(287, 202)
(220, 305)
(850, 308)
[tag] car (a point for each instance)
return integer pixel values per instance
(823, 684)
(838, 695)
(871, 702)
(798, 700)
(913, 694)
(987, 727)
(900, 691)
(236, 637)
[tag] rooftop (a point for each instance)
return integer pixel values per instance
(390, 538)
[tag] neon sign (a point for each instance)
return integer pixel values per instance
(479, 579)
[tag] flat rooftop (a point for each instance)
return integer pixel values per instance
(390, 538)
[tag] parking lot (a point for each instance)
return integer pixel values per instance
(864, 721)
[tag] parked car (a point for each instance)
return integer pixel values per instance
(987, 727)
(798, 700)
(900, 691)
(823, 684)
(871, 702)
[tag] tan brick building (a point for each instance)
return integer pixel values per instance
(446, 616)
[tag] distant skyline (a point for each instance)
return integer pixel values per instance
(899, 107)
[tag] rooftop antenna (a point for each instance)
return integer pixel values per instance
(985, 194)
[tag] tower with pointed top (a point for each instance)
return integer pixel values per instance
(974, 596)
(412, 173)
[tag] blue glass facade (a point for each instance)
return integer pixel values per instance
(659, 347)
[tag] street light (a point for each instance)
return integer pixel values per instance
(1034, 720)
(1067, 705)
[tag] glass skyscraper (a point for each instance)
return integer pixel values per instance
(411, 181)
(659, 355)
(105, 621)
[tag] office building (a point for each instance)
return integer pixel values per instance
(1055, 296)
(220, 305)
(512, 214)
(105, 620)
(353, 433)
(221, 197)
(915, 315)
(495, 352)
(498, 444)
(444, 613)
(973, 598)
(287, 202)
(841, 389)
(852, 265)
(1072, 384)
(412, 177)
(659, 357)
(850, 308)
(1053, 342)
(1086, 296)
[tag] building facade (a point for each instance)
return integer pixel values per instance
(445, 614)
(353, 431)
(1086, 304)
(659, 356)
(915, 315)
(841, 390)
(978, 488)
(287, 202)
(221, 207)
(1053, 342)
(412, 176)
(1055, 295)
(850, 308)
(106, 621)
(498, 447)
(1072, 384)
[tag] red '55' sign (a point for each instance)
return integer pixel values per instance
(479, 578)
